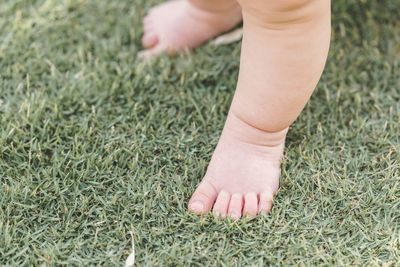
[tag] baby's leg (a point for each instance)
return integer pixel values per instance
(284, 49)
(180, 24)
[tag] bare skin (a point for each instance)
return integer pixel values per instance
(180, 24)
(284, 49)
(243, 174)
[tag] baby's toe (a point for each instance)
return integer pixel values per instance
(221, 204)
(250, 204)
(202, 198)
(266, 203)
(150, 39)
(236, 206)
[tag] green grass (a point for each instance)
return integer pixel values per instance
(95, 143)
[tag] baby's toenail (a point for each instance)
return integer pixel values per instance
(219, 215)
(235, 216)
(197, 207)
(263, 212)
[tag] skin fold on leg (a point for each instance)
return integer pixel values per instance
(284, 50)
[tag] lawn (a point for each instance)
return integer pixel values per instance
(95, 143)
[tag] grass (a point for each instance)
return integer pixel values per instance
(95, 143)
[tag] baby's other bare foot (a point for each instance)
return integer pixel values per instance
(179, 24)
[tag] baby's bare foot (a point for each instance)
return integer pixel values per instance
(243, 174)
(179, 24)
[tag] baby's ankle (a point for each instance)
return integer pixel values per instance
(249, 133)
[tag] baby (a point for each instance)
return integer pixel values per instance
(284, 49)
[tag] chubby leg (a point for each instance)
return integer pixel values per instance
(284, 49)
(180, 24)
